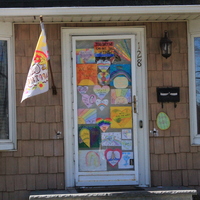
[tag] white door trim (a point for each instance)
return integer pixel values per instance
(68, 104)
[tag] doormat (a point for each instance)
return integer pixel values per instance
(196, 197)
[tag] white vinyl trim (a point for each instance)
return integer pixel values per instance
(6, 34)
(68, 104)
(193, 31)
(180, 9)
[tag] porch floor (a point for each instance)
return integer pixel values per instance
(157, 193)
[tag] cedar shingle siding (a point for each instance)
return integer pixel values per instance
(38, 164)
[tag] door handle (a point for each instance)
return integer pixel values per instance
(134, 104)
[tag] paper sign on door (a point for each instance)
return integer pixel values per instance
(121, 117)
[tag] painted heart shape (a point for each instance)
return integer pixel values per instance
(85, 136)
(94, 136)
(122, 116)
(101, 92)
(103, 123)
(102, 103)
(85, 55)
(90, 136)
(88, 100)
(103, 78)
(82, 89)
(113, 156)
(103, 65)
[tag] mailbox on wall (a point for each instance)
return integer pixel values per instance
(168, 94)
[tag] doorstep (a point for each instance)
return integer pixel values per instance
(153, 193)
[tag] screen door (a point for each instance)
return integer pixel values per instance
(105, 125)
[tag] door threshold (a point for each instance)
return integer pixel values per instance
(116, 188)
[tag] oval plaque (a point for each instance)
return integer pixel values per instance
(163, 121)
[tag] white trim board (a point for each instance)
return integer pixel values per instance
(68, 104)
(193, 31)
(170, 9)
(6, 33)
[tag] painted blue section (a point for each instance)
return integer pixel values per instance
(120, 70)
(98, 55)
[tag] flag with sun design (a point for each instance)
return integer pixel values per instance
(37, 79)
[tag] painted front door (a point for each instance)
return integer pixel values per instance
(105, 110)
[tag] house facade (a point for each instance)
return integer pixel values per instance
(105, 126)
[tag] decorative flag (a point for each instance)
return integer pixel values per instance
(37, 79)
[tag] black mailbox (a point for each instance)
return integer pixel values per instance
(168, 94)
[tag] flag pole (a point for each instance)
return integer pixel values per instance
(54, 90)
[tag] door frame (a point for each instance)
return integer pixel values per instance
(68, 104)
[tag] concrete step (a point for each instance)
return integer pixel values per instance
(157, 193)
